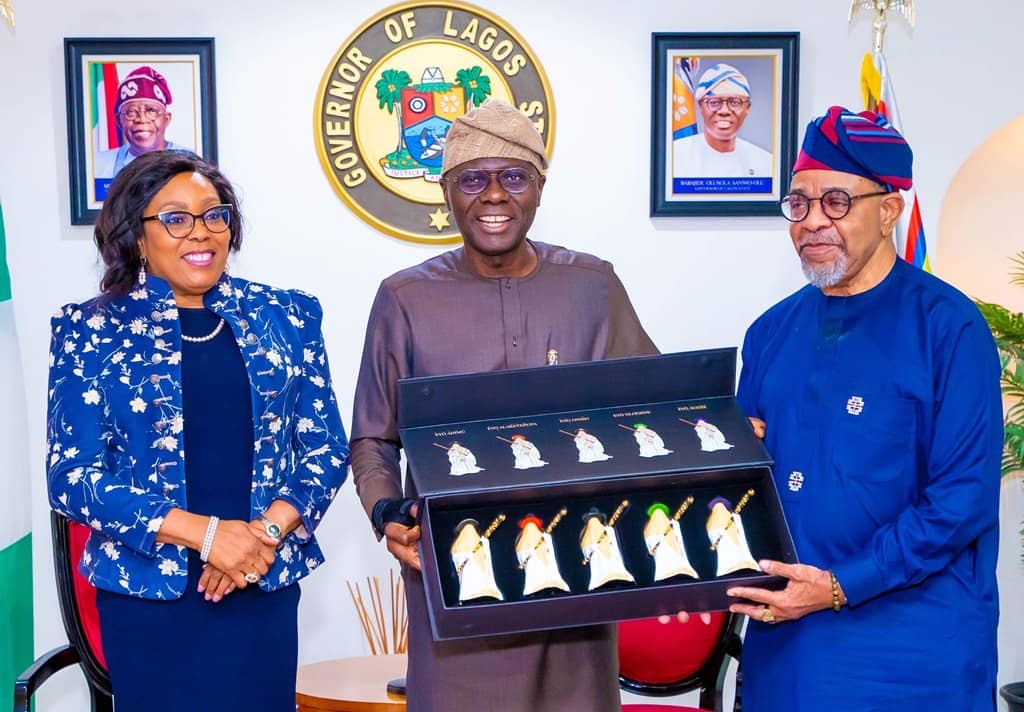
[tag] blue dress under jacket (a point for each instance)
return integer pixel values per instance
(210, 649)
(884, 417)
(116, 441)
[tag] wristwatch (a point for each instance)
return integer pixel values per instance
(273, 529)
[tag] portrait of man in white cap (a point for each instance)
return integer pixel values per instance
(723, 97)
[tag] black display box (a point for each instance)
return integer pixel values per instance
(669, 394)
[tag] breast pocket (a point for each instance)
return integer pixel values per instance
(875, 438)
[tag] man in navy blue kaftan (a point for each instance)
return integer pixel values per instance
(876, 389)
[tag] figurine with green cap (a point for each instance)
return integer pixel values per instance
(650, 443)
(664, 540)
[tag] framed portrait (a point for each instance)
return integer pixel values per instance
(724, 122)
(129, 96)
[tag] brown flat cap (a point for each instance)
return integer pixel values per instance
(495, 129)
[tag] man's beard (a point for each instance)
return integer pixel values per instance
(823, 276)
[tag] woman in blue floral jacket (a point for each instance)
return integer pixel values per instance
(192, 426)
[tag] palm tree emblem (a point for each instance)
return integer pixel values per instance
(389, 94)
(475, 83)
(425, 112)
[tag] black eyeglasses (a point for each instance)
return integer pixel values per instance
(834, 203)
(180, 223)
(474, 181)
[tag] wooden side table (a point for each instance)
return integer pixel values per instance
(350, 685)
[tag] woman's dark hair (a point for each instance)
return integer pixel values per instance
(119, 225)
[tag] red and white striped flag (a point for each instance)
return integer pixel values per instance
(102, 98)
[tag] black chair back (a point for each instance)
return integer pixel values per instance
(77, 599)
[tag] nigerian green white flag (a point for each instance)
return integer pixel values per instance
(15, 503)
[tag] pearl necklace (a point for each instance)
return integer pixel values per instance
(208, 337)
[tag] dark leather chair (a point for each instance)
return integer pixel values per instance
(663, 659)
(81, 622)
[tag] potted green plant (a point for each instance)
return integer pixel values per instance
(1008, 329)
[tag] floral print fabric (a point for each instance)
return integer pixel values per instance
(116, 452)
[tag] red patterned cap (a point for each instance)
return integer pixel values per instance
(864, 144)
(143, 83)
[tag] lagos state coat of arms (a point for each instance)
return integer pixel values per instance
(390, 94)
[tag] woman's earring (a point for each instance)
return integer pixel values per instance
(142, 271)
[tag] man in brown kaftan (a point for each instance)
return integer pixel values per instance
(500, 301)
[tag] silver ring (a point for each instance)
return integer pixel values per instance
(252, 578)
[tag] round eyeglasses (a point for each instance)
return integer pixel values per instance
(149, 113)
(733, 102)
(474, 181)
(834, 203)
(180, 223)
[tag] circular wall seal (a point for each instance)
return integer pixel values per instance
(392, 91)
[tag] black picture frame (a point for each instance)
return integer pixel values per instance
(93, 68)
(684, 162)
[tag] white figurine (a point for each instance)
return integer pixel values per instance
(711, 437)
(526, 453)
(600, 547)
(471, 554)
(725, 532)
(590, 448)
(664, 541)
(463, 461)
(536, 554)
(650, 443)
